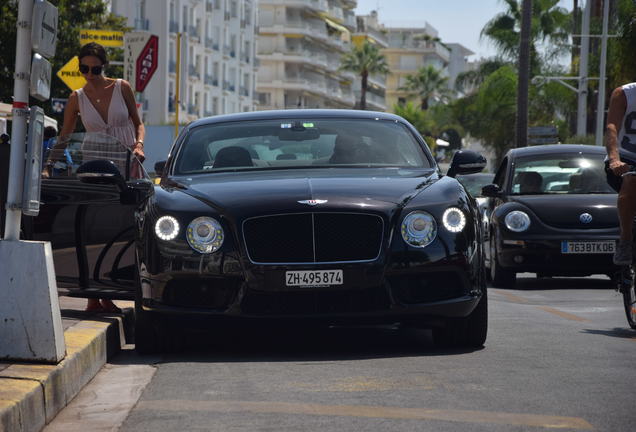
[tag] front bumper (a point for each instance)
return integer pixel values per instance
(372, 293)
(543, 255)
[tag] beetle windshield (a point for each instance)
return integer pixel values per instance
(569, 174)
(298, 143)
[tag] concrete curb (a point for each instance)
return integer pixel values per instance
(31, 395)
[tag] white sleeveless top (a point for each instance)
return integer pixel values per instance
(118, 124)
(627, 133)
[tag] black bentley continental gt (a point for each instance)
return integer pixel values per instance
(552, 213)
(329, 216)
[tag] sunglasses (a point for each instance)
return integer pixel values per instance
(95, 70)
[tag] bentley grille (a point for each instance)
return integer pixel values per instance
(313, 238)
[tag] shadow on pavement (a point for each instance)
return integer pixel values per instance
(297, 344)
(617, 332)
(530, 283)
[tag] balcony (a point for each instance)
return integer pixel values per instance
(209, 43)
(193, 109)
(193, 32)
(172, 66)
(243, 91)
(142, 24)
(226, 16)
(174, 27)
(226, 50)
(210, 80)
(244, 57)
(193, 71)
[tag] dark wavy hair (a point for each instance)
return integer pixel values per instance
(94, 49)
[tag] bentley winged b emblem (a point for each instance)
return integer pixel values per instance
(313, 202)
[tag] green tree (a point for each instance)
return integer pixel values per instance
(470, 80)
(621, 62)
(364, 60)
(550, 26)
(489, 114)
(74, 15)
(427, 83)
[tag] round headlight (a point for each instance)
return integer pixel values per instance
(454, 219)
(167, 228)
(517, 221)
(205, 235)
(419, 229)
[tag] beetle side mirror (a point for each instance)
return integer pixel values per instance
(101, 172)
(160, 167)
(466, 162)
(491, 191)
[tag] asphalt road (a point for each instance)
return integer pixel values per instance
(559, 355)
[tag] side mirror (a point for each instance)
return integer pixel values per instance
(466, 162)
(159, 167)
(491, 191)
(101, 172)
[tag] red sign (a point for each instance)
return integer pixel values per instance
(147, 63)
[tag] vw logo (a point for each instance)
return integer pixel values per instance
(585, 218)
(312, 202)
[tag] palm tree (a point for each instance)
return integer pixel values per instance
(469, 81)
(427, 82)
(550, 24)
(364, 60)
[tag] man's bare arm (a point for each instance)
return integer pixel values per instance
(615, 115)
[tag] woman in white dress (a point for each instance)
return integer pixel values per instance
(107, 106)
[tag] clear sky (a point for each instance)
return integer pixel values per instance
(457, 21)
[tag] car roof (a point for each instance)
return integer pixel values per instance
(555, 149)
(296, 113)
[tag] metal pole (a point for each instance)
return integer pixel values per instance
(177, 100)
(19, 122)
(600, 109)
(581, 120)
(524, 75)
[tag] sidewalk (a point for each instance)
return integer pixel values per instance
(32, 394)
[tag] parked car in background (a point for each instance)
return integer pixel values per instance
(327, 216)
(474, 184)
(552, 213)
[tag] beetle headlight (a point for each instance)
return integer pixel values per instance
(205, 235)
(454, 219)
(167, 228)
(517, 221)
(419, 229)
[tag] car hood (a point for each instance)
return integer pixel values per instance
(564, 211)
(281, 191)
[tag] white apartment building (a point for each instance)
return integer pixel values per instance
(410, 49)
(217, 68)
(300, 43)
(458, 62)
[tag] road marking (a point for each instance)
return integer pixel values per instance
(367, 411)
(513, 298)
(563, 314)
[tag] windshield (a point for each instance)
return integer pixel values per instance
(298, 143)
(575, 173)
(62, 158)
(474, 182)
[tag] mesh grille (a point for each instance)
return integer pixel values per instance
(313, 237)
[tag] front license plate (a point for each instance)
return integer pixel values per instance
(313, 278)
(588, 247)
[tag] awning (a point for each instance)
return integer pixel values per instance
(345, 34)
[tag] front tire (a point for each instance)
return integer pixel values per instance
(629, 301)
(467, 332)
(147, 339)
(500, 277)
